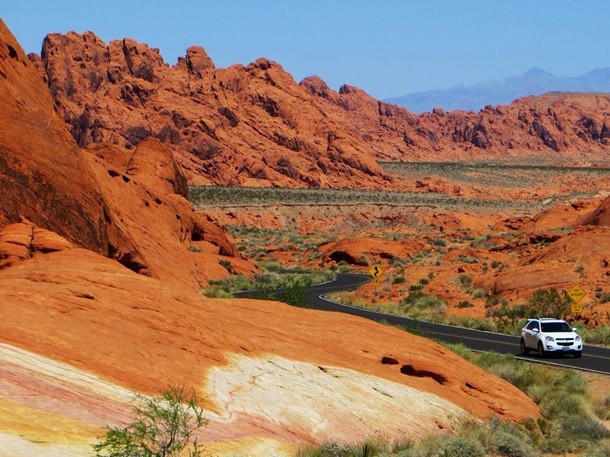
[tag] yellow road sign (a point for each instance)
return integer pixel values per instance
(576, 308)
(577, 293)
(376, 272)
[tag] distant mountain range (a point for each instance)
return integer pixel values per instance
(533, 82)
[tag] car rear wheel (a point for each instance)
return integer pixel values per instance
(541, 352)
(524, 349)
(577, 354)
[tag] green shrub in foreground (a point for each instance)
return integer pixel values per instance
(163, 427)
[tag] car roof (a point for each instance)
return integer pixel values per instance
(545, 319)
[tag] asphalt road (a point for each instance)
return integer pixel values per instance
(594, 358)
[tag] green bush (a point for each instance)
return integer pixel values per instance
(510, 445)
(461, 446)
(548, 303)
(602, 449)
(290, 290)
(584, 428)
(163, 427)
(598, 335)
(464, 280)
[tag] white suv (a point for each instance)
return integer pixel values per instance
(547, 335)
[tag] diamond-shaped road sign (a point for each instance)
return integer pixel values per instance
(376, 271)
(576, 293)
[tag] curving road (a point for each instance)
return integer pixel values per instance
(594, 358)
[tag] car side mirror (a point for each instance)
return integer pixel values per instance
(535, 330)
(574, 329)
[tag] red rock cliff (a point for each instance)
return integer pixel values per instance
(250, 125)
(254, 125)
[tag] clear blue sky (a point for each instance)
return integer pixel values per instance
(388, 48)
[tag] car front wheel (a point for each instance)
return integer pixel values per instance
(541, 352)
(524, 349)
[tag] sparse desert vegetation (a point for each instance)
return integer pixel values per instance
(573, 420)
(458, 242)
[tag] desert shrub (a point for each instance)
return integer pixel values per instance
(492, 300)
(461, 446)
(510, 445)
(598, 335)
(467, 259)
(227, 265)
(583, 428)
(290, 290)
(464, 280)
(602, 408)
(507, 318)
(602, 449)
(216, 291)
(270, 265)
(478, 293)
(195, 248)
(163, 427)
(398, 279)
(548, 303)
(465, 304)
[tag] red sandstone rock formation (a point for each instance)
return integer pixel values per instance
(254, 125)
(362, 251)
(600, 216)
(152, 228)
(44, 177)
(248, 125)
(129, 205)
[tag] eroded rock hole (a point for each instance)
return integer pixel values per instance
(339, 256)
(409, 370)
(113, 173)
(12, 53)
(389, 361)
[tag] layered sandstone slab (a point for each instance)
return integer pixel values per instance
(254, 361)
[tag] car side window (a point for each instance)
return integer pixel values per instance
(533, 325)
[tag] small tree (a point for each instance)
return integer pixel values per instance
(163, 427)
(549, 303)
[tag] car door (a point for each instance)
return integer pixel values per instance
(531, 334)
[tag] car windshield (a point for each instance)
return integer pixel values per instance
(555, 327)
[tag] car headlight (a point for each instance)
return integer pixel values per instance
(549, 338)
(577, 338)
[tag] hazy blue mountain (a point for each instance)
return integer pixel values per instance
(533, 82)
